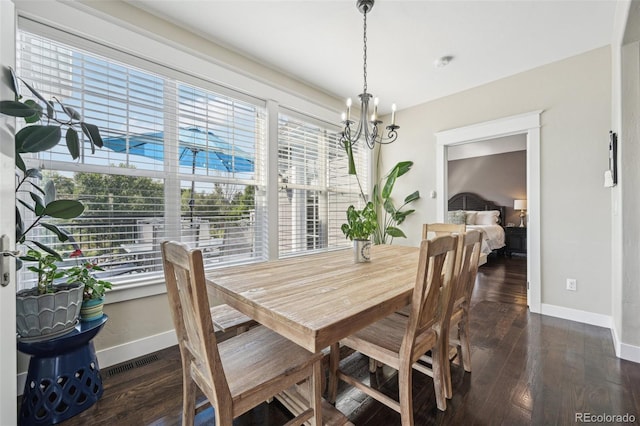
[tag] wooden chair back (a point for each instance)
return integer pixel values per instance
(431, 303)
(469, 257)
(186, 289)
(440, 229)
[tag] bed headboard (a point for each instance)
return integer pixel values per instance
(471, 201)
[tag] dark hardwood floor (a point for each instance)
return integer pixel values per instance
(527, 369)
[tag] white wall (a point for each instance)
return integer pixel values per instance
(575, 95)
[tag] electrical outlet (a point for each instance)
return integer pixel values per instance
(572, 284)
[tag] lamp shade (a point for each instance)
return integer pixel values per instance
(519, 204)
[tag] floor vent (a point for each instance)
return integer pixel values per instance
(140, 362)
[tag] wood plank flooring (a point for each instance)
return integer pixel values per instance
(527, 369)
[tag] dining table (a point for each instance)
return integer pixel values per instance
(317, 299)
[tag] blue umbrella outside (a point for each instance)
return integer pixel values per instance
(199, 148)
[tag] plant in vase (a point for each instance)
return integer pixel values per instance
(45, 122)
(389, 216)
(48, 309)
(359, 227)
(94, 288)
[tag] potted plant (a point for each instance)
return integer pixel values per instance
(45, 121)
(47, 309)
(390, 216)
(94, 288)
(359, 227)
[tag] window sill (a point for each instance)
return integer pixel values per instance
(125, 292)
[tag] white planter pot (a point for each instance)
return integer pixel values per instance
(361, 251)
(48, 315)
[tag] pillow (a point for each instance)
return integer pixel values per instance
(471, 217)
(489, 217)
(457, 217)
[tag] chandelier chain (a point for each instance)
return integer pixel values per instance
(364, 37)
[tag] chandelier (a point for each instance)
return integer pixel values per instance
(367, 127)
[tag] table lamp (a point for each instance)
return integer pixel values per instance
(522, 206)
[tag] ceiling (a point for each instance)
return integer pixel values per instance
(320, 41)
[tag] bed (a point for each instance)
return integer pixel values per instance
(480, 214)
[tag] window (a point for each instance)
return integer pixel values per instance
(184, 159)
(181, 161)
(315, 187)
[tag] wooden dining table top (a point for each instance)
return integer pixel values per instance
(315, 300)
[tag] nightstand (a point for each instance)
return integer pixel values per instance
(515, 240)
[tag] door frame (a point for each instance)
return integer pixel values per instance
(8, 354)
(529, 125)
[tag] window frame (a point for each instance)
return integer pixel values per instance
(122, 42)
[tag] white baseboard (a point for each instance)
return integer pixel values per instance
(623, 350)
(121, 353)
(629, 352)
(576, 315)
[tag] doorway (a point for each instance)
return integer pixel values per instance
(526, 124)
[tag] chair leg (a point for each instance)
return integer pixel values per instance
(334, 362)
(446, 369)
(406, 395)
(439, 379)
(188, 397)
(464, 342)
(315, 393)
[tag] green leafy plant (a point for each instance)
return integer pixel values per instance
(84, 272)
(43, 203)
(46, 120)
(361, 224)
(46, 269)
(389, 217)
(392, 217)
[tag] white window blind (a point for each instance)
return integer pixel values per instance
(180, 161)
(315, 187)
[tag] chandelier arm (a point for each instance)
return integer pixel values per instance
(356, 137)
(392, 135)
(371, 139)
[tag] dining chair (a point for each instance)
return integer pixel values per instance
(465, 276)
(466, 280)
(241, 372)
(399, 341)
(431, 230)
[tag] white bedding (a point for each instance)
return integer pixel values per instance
(492, 236)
